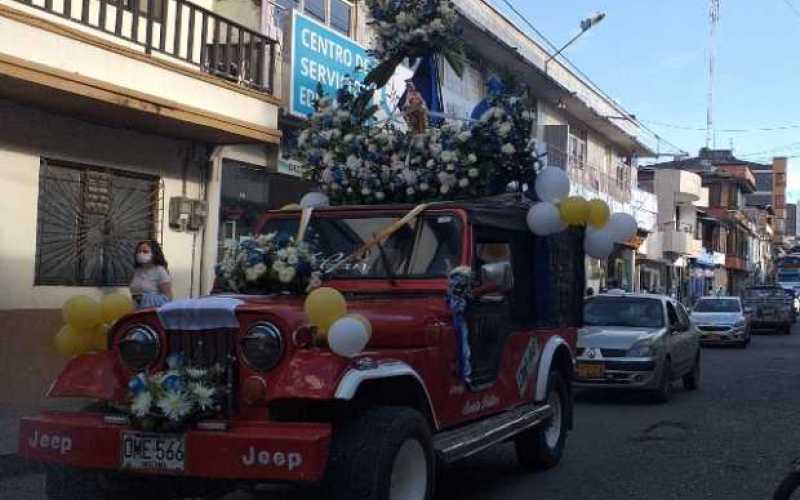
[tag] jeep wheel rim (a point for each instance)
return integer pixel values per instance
(553, 432)
(409, 472)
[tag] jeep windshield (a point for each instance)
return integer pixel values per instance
(623, 311)
(427, 247)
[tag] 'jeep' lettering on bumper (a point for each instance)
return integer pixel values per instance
(290, 460)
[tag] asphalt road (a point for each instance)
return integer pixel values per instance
(732, 439)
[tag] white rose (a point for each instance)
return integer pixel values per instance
(286, 274)
(366, 191)
(464, 136)
(463, 182)
(444, 189)
(379, 195)
(430, 164)
(410, 191)
(472, 158)
(424, 186)
(292, 260)
(504, 129)
(473, 172)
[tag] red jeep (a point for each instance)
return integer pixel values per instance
(371, 427)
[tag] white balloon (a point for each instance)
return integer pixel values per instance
(552, 184)
(314, 200)
(622, 226)
(598, 243)
(348, 336)
(544, 218)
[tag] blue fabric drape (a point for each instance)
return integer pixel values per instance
(494, 87)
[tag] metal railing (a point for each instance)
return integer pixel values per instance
(181, 30)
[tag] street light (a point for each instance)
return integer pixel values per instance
(586, 25)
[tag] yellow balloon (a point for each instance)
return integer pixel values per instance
(71, 342)
(115, 306)
(82, 313)
(324, 306)
(100, 337)
(598, 213)
(574, 210)
(363, 319)
(291, 206)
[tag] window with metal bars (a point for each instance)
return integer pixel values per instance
(89, 221)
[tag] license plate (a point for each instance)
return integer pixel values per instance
(594, 370)
(713, 337)
(160, 452)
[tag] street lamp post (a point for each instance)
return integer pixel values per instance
(586, 25)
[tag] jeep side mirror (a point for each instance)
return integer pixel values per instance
(748, 310)
(497, 275)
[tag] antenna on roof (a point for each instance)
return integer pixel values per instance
(713, 14)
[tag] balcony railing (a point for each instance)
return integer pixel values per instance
(180, 30)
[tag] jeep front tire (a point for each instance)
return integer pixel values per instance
(384, 454)
(542, 447)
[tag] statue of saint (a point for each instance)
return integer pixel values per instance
(415, 111)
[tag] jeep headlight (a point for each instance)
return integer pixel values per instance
(262, 347)
(643, 349)
(139, 347)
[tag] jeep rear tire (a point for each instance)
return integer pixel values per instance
(384, 454)
(542, 447)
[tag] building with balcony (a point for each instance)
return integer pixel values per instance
(675, 249)
(118, 120)
(724, 226)
(771, 191)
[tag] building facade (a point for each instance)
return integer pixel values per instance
(771, 191)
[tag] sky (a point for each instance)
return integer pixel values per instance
(651, 56)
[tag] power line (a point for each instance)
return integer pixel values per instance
(775, 128)
(586, 78)
(791, 6)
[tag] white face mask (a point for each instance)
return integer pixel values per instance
(144, 258)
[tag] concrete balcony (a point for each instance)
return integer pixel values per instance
(169, 67)
(680, 186)
(681, 243)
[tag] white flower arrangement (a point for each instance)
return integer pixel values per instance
(173, 399)
(270, 263)
(379, 163)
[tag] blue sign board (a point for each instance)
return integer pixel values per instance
(321, 56)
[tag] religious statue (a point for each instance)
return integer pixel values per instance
(415, 111)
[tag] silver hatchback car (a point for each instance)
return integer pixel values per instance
(637, 341)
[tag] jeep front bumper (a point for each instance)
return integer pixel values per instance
(266, 451)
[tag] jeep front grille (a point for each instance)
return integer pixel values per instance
(207, 349)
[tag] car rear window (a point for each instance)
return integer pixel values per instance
(636, 312)
(717, 306)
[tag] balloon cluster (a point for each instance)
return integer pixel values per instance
(88, 322)
(347, 334)
(557, 210)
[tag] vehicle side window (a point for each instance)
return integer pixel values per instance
(683, 317)
(672, 316)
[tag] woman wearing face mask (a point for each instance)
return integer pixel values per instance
(151, 285)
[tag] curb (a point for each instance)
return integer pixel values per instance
(12, 465)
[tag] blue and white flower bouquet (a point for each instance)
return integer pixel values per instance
(172, 399)
(271, 263)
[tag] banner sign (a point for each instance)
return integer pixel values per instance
(323, 56)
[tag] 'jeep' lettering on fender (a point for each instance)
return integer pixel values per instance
(290, 460)
(54, 442)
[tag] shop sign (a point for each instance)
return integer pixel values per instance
(719, 258)
(322, 56)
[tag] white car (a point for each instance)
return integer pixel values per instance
(722, 320)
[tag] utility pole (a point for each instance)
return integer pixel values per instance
(713, 14)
